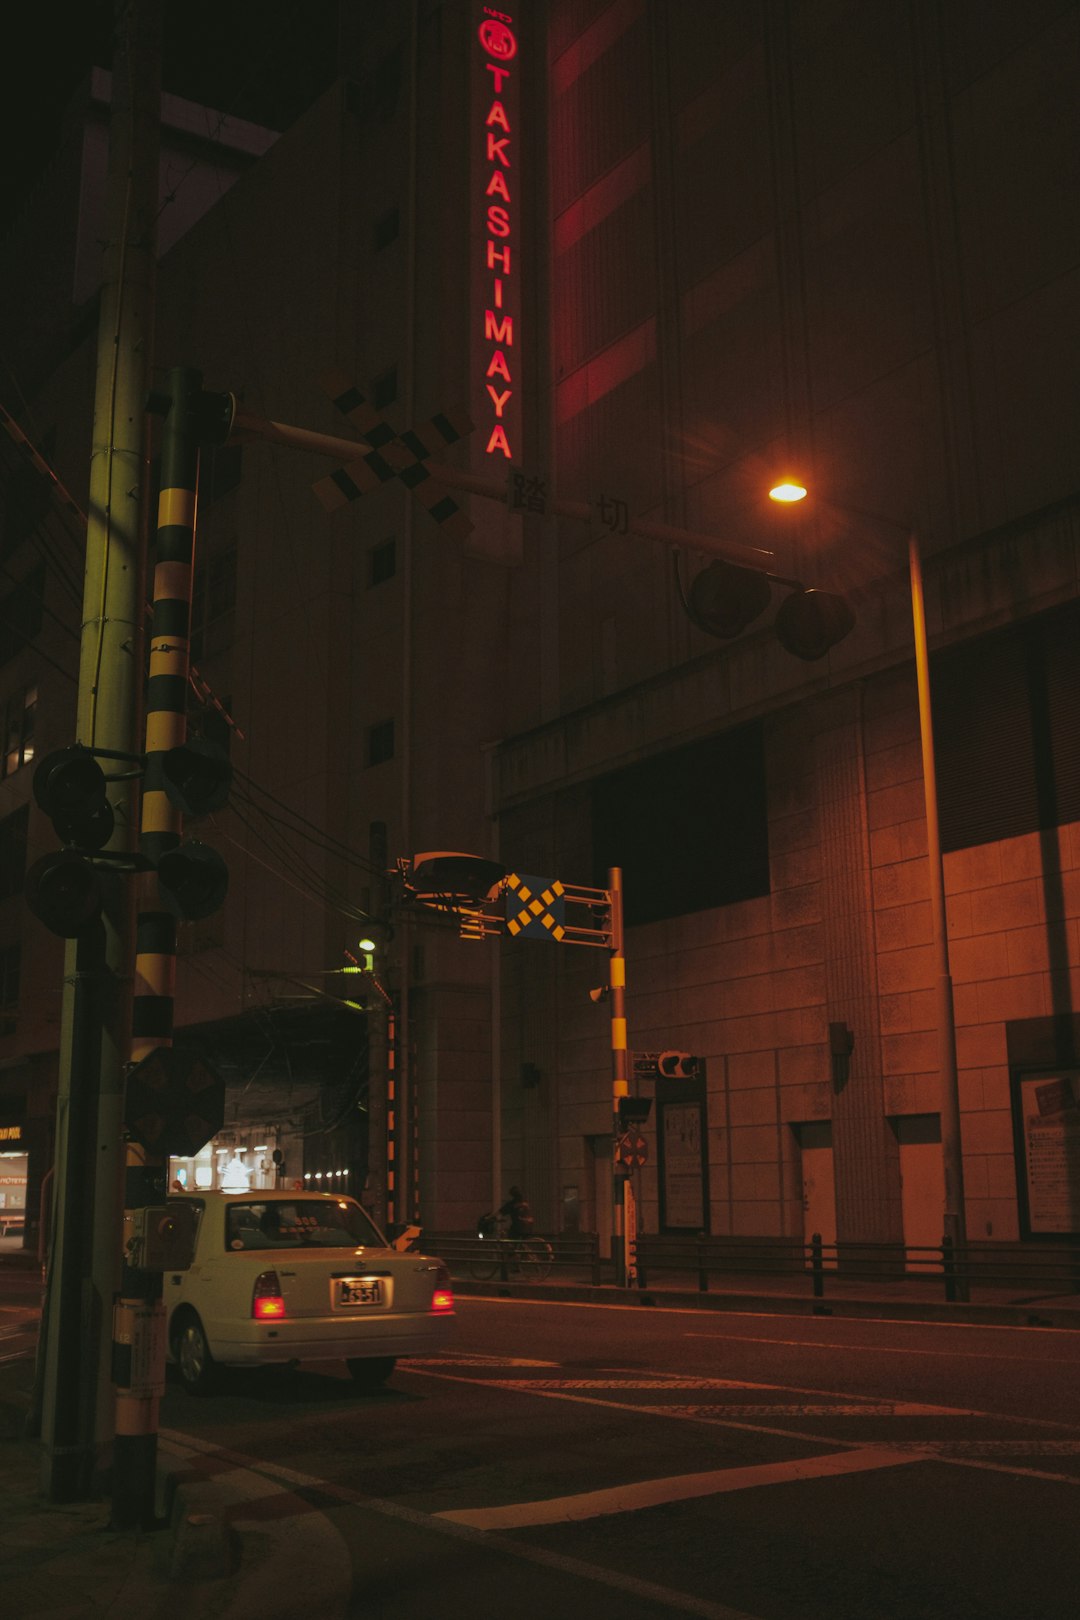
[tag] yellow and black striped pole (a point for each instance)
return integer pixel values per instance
(139, 1321)
(619, 1069)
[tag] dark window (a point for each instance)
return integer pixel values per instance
(10, 962)
(13, 851)
(387, 227)
(18, 716)
(688, 828)
(380, 742)
(1007, 730)
(384, 389)
(20, 614)
(27, 498)
(383, 561)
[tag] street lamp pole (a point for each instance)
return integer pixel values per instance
(954, 1221)
(951, 1151)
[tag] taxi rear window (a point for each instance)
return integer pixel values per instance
(297, 1223)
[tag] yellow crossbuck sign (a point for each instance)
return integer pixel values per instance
(534, 907)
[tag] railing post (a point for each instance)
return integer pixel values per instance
(948, 1266)
(817, 1266)
(504, 1259)
(642, 1280)
(597, 1274)
(702, 1268)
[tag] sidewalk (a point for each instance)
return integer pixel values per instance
(63, 1562)
(916, 1299)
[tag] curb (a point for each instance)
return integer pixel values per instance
(959, 1312)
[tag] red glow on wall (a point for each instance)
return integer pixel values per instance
(498, 42)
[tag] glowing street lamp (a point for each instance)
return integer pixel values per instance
(789, 491)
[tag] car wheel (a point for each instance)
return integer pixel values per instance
(198, 1369)
(370, 1372)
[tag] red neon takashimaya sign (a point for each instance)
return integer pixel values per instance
(498, 45)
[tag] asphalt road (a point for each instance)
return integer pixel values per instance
(634, 1462)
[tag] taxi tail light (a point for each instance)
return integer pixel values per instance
(266, 1298)
(442, 1298)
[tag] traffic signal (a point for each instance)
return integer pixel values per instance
(677, 1066)
(197, 775)
(809, 622)
(63, 890)
(69, 785)
(724, 599)
(634, 1110)
(193, 880)
(450, 874)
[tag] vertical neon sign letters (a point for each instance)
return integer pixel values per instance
(499, 44)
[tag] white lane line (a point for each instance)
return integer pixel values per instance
(895, 1349)
(650, 1493)
(467, 1358)
(648, 1591)
(842, 1405)
(772, 1316)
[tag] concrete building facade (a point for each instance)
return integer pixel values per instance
(773, 237)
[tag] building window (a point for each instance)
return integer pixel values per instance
(384, 388)
(10, 963)
(13, 852)
(689, 828)
(387, 227)
(19, 714)
(1006, 719)
(20, 614)
(383, 562)
(380, 742)
(27, 498)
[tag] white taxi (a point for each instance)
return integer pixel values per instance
(280, 1277)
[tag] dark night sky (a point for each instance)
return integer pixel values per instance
(264, 61)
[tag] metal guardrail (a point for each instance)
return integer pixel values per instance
(1045, 1269)
(573, 1256)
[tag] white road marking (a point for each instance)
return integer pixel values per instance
(649, 1493)
(466, 1358)
(649, 1591)
(896, 1349)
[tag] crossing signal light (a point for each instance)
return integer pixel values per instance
(724, 599)
(197, 776)
(809, 623)
(193, 880)
(69, 785)
(63, 890)
(676, 1066)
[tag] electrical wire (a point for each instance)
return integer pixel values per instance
(273, 840)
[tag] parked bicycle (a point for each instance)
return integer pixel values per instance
(531, 1259)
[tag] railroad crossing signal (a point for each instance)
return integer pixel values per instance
(395, 455)
(632, 1150)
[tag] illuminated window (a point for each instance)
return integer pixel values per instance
(383, 561)
(18, 716)
(387, 227)
(380, 742)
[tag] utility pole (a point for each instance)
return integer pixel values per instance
(192, 418)
(76, 1412)
(619, 1071)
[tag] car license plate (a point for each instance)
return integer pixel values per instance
(350, 1291)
